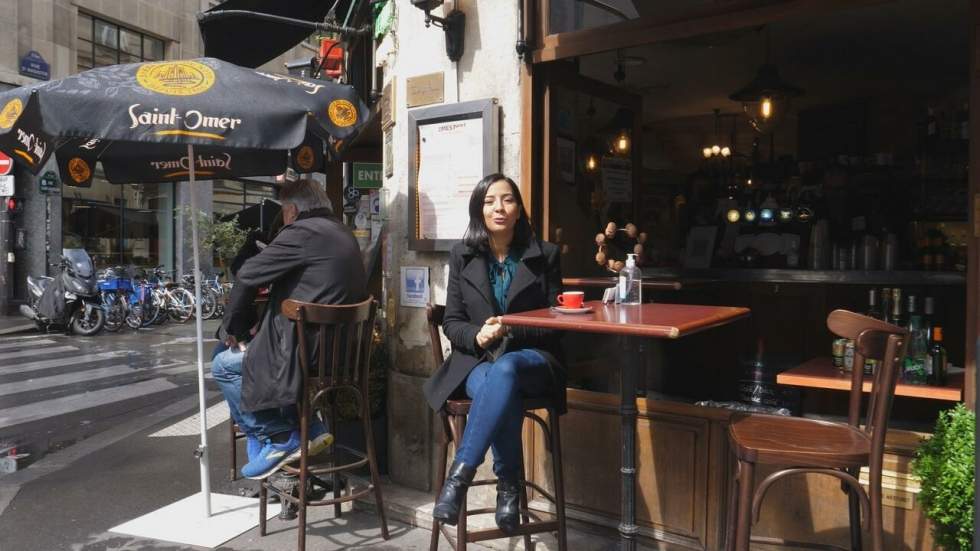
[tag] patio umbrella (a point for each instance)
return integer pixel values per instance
(175, 120)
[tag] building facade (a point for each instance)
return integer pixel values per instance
(134, 223)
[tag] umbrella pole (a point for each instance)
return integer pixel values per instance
(202, 454)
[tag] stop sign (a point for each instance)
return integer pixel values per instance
(6, 164)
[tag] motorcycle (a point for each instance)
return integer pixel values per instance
(72, 299)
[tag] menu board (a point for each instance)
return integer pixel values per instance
(453, 147)
(450, 165)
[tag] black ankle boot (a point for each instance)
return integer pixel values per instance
(453, 492)
(508, 505)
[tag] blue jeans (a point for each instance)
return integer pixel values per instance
(497, 413)
(226, 368)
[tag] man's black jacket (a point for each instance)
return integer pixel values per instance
(314, 259)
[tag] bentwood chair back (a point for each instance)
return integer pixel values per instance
(342, 339)
(453, 415)
(812, 446)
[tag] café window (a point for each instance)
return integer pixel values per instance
(100, 43)
(120, 224)
(231, 196)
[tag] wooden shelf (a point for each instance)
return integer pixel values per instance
(821, 373)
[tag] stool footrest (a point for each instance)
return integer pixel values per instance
(792, 544)
(522, 530)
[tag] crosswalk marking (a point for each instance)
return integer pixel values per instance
(77, 402)
(11, 338)
(23, 353)
(54, 381)
(24, 344)
(190, 426)
(59, 362)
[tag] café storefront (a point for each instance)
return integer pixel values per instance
(851, 180)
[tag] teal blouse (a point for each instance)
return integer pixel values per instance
(501, 274)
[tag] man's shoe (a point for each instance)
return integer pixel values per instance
(252, 447)
(271, 457)
(453, 492)
(320, 439)
(508, 506)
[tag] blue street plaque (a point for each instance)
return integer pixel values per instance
(33, 65)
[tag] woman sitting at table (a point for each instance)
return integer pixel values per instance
(500, 267)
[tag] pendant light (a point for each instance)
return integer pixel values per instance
(767, 97)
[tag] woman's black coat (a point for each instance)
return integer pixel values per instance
(469, 302)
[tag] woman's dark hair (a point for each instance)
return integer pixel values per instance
(477, 236)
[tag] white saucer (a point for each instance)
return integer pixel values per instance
(564, 310)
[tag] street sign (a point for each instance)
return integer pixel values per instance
(34, 66)
(367, 175)
(49, 182)
(6, 164)
(7, 185)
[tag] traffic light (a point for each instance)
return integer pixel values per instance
(13, 205)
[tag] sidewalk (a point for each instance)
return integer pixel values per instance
(70, 499)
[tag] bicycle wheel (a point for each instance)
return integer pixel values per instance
(115, 310)
(209, 304)
(181, 305)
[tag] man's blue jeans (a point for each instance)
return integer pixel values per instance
(497, 413)
(226, 368)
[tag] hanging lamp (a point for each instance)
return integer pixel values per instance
(767, 97)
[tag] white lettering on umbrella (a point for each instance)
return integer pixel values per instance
(154, 117)
(313, 88)
(222, 161)
(192, 120)
(32, 143)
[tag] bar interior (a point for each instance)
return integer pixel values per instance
(794, 166)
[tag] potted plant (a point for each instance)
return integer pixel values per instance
(224, 238)
(945, 466)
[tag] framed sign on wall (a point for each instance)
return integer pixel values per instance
(450, 149)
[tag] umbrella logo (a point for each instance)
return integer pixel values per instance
(176, 78)
(10, 113)
(79, 170)
(342, 113)
(304, 157)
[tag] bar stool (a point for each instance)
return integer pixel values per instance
(454, 414)
(347, 331)
(812, 446)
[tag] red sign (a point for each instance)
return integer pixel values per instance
(6, 164)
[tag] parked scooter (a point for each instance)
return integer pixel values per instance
(72, 299)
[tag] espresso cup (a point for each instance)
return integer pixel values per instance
(571, 299)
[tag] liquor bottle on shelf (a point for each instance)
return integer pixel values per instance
(928, 316)
(914, 370)
(873, 310)
(936, 360)
(886, 303)
(895, 316)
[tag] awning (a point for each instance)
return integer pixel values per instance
(250, 42)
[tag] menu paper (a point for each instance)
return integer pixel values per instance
(450, 165)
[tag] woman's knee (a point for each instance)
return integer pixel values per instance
(506, 367)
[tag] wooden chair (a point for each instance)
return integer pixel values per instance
(347, 331)
(453, 415)
(234, 435)
(812, 446)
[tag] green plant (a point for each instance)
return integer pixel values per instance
(945, 465)
(225, 239)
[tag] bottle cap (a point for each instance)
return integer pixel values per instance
(631, 260)
(937, 333)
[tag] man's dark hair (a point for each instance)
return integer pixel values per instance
(305, 194)
(477, 236)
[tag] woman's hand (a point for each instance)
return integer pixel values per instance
(491, 332)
